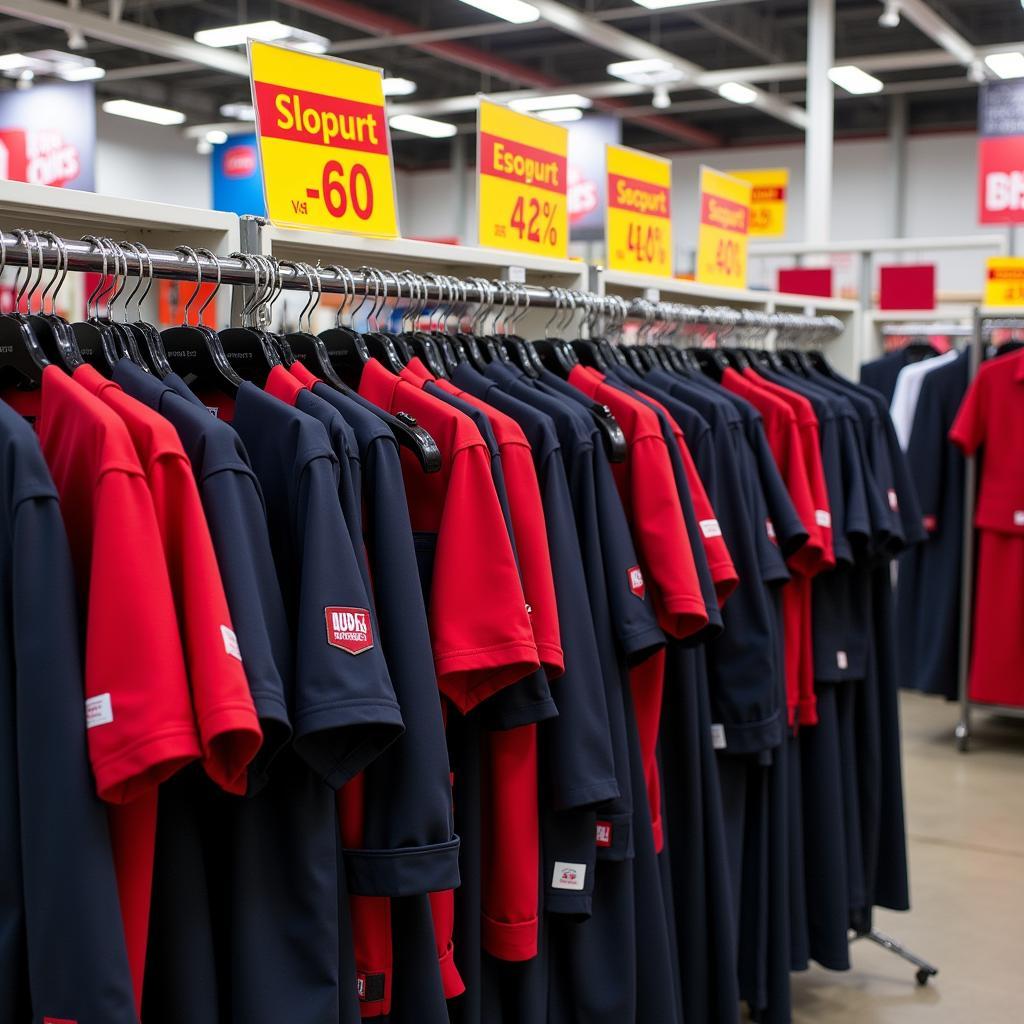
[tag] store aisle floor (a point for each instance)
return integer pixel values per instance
(966, 842)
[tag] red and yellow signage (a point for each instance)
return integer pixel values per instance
(724, 229)
(1004, 281)
(522, 180)
(639, 212)
(324, 142)
(768, 200)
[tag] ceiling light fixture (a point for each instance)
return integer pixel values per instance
(13, 61)
(661, 99)
(25, 79)
(737, 92)
(204, 148)
(515, 11)
(216, 136)
(976, 71)
(143, 112)
(399, 87)
(890, 17)
(650, 71)
(1006, 65)
(238, 111)
(264, 32)
(560, 114)
(659, 5)
(854, 80)
(82, 74)
(423, 126)
(76, 41)
(570, 99)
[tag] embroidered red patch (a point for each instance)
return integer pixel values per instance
(58, 1020)
(349, 629)
(604, 833)
(636, 581)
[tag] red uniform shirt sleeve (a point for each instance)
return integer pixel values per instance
(969, 427)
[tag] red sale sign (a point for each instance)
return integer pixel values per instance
(1001, 180)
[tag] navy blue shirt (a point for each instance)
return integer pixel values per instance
(62, 949)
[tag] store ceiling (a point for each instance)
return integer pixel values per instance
(450, 49)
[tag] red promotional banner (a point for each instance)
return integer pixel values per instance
(724, 214)
(639, 196)
(515, 161)
(1001, 180)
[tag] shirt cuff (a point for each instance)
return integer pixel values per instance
(409, 871)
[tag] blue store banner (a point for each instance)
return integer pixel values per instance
(48, 135)
(237, 184)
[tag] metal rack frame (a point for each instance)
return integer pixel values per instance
(982, 324)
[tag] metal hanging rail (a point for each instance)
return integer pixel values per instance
(37, 249)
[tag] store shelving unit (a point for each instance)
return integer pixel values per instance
(842, 350)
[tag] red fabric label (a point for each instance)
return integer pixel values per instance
(503, 158)
(930, 523)
(768, 194)
(302, 116)
(724, 214)
(58, 1020)
(639, 196)
(349, 629)
(604, 833)
(636, 581)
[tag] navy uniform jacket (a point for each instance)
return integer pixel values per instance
(928, 594)
(62, 949)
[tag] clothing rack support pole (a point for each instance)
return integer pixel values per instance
(925, 970)
(963, 728)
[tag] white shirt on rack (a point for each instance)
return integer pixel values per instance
(908, 391)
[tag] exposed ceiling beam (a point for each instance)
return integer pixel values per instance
(368, 20)
(939, 30)
(592, 31)
(172, 67)
(125, 33)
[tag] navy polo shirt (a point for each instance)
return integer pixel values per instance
(62, 949)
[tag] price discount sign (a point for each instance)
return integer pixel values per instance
(324, 142)
(522, 182)
(1004, 281)
(639, 212)
(724, 229)
(767, 201)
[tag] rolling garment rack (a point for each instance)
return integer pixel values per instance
(505, 300)
(983, 326)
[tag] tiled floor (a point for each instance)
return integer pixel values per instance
(965, 820)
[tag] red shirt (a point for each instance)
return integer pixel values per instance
(527, 512)
(479, 623)
(224, 709)
(648, 489)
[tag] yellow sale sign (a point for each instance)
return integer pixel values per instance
(324, 144)
(638, 218)
(724, 228)
(1004, 281)
(767, 201)
(521, 182)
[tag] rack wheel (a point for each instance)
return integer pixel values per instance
(923, 974)
(963, 736)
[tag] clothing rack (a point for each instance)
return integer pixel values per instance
(47, 251)
(982, 326)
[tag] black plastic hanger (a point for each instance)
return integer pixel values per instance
(53, 332)
(100, 344)
(146, 334)
(22, 359)
(249, 349)
(195, 352)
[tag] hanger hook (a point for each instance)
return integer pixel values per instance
(90, 310)
(61, 271)
(209, 298)
(187, 250)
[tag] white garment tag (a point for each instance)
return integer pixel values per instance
(718, 736)
(568, 876)
(230, 642)
(98, 711)
(213, 410)
(842, 661)
(894, 502)
(710, 528)
(1018, 518)
(823, 517)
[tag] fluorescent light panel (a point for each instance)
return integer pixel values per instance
(1006, 65)
(561, 114)
(143, 112)
(649, 71)
(238, 111)
(423, 126)
(216, 136)
(515, 11)
(560, 102)
(660, 5)
(399, 87)
(737, 92)
(264, 32)
(854, 80)
(86, 74)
